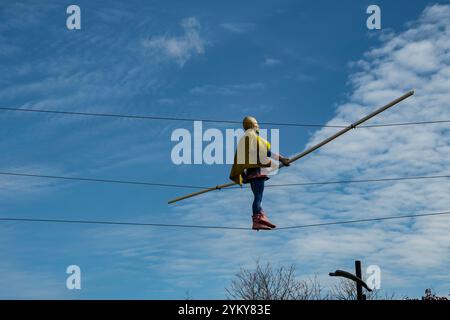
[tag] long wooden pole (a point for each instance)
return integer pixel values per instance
(218, 187)
(312, 149)
(352, 126)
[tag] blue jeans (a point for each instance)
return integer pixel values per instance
(257, 185)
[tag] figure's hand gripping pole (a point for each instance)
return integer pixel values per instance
(313, 148)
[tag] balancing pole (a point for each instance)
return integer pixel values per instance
(313, 148)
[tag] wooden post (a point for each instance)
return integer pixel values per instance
(359, 291)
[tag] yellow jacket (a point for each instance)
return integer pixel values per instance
(250, 153)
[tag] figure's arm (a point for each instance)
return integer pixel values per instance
(283, 160)
(270, 154)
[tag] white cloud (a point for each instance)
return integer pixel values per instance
(23, 15)
(17, 284)
(231, 89)
(180, 49)
(17, 280)
(73, 78)
(417, 56)
(13, 185)
(270, 62)
(243, 27)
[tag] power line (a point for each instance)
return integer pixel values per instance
(168, 185)
(143, 117)
(365, 220)
(143, 183)
(123, 223)
(403, 123)
(217, 227)
(358, 181)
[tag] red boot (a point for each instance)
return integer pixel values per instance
(265, 220)
(257, 223)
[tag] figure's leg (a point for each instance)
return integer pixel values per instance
(258, 224)
(252, 185)
(259, 190)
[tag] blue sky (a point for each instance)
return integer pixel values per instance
(281, 61)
